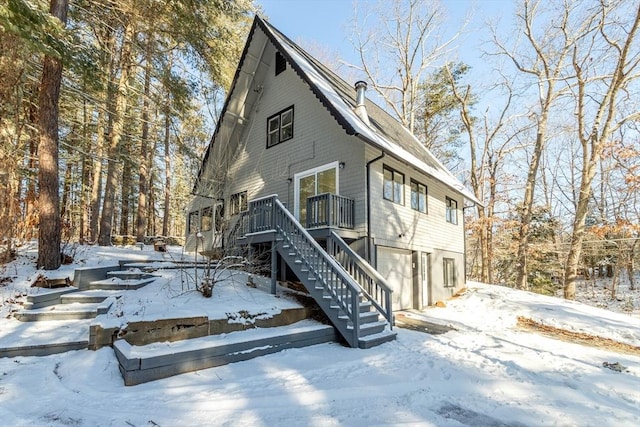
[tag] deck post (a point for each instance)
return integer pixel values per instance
(274, 267)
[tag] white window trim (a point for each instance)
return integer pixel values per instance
(297, 177)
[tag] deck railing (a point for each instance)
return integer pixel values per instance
(374, 286)
(330, 210)
(269, 214)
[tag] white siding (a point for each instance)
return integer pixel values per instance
(395, 265)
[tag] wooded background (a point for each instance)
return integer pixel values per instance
(545, 131)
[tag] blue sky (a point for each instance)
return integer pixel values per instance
(326, 22)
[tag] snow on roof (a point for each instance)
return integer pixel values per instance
(327, 86)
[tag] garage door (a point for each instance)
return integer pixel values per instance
(395, 266)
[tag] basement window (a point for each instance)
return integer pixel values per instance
(449, 270)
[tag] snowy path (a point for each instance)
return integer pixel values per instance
(460, 378)
(487, 373)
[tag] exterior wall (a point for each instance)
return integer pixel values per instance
(193, 213)
(317, 140)
(398, 226)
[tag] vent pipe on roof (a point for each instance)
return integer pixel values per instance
(360, 109)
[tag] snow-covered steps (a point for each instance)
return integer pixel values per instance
(376, 339)
(73, 311)
(47, 297)
(116, 283)
(140, 364)
(88, 297)
(43, 338)
(131, 274)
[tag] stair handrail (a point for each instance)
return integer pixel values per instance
(384, 306)
(279, 214)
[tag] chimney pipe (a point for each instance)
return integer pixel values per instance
(360, 109)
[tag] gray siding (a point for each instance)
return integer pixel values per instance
(317, 140)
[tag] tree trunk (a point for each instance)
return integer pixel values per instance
(96, 176)
(126, 195)
(577, 236)
(115, 136)
(84, 177)
(151, 211)
(31, 206)
(631, 266)
(167, 166)
(141, 214)
(66, 189)
(527, 208)
(48, 175)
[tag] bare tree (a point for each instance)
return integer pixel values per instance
(404, 40)
(544, 56)
(489, 142)
(605, 64)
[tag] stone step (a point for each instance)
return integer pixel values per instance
(46, 297)
(88, 297)
(43, 338)
(115, 283)
(133, 274)
(73, 311)
(140, 364)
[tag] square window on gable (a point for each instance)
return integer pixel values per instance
(280, 127)
(281, 63)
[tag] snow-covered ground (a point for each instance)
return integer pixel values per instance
(487, 372)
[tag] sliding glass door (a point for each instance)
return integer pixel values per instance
(320, 180)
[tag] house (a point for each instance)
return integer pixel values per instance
(298, 153)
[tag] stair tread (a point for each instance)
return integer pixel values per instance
(76, 307)
(382, 337)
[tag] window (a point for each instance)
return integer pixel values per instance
(219, 216)
(449, 269)
(393, 185)
(280, 127)
(238, 203)
(281, 63)
(452, 211)
(194, 222)
(207, 218)
(418, 197)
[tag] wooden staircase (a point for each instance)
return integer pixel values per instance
(363, 318)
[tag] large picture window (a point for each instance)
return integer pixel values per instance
(451, 211)
(418, 197)
(280, 127)
(393, 185)
(449, 269)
